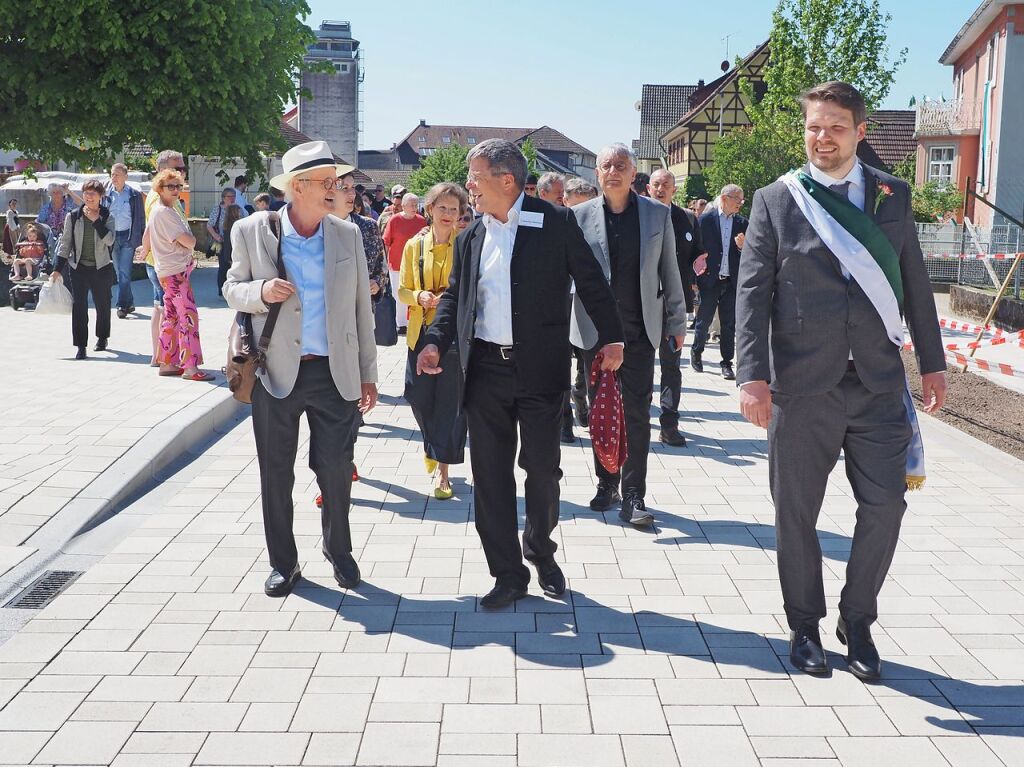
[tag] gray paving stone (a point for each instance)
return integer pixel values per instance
(570, 751)
(86, 743)
(253, 748)
(398, 744)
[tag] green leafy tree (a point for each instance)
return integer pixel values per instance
(446, 164)
(812, 41)
(81, 79)
(906, 169)
(532, 163)
(936, 201)
(694, 188)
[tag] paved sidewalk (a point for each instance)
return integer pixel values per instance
(668, 650)
(79, 418)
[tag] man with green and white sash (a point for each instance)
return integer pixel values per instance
(830, 269)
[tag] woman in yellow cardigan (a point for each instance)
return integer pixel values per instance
(423, 277)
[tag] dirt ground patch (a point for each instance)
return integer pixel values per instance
(978, 407)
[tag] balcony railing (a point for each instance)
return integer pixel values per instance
(948, 118)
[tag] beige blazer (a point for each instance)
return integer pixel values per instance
(352, 349)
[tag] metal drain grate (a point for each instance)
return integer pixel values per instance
(44, 589)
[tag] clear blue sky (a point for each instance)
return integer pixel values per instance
(578, 65)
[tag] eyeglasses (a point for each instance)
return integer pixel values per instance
(327, 183)
(172, 187)
(619, 166)
(181, 169)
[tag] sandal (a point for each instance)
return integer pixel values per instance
(200, 376)
(443, 494)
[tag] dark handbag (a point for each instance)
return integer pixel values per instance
(385, 327)
(244, 357)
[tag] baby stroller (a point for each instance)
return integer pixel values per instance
(25, 293)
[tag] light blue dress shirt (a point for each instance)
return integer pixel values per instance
(304, 264)
(725, 223)
(120, 208)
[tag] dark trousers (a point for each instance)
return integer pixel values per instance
(577, 395)
(636, 378)
(223, 264)
(671, 383)
(805, 436)
(720, 296)
(89, 281)
(332, 422)
(495, 407)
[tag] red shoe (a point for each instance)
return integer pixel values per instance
(355, 478)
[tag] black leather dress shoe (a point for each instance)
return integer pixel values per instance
(805, 650)
(101, 345)
(502, 595)
(727, 372)
(80, 354)
(551, 579)
(670, 436)
(346, 571)
(279, 585)
(582, 412)
(122, 313)
(607, 496)
(634, 511)
(861, 654)
(696, 363)
(568, 438)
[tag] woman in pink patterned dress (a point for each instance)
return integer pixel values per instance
(172, 244)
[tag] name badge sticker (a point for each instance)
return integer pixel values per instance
(531, 219)
(689, 237)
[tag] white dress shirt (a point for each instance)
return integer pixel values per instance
(494, 285)
(725, 225)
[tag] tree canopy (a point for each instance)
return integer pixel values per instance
(81, 79)
(812, 41)
(448, 163)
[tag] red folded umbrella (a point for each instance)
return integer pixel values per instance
(607, 419)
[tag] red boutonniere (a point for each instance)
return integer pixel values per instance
(884, 193)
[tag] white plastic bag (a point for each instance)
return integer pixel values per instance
(54, 298)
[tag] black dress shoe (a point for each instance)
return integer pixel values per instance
(634, 511)
(80, 354)
(568, 438)
(346, 571)
(727, 372)
(861, 654)
(696, 363)
(607, 496)
(551, 579)
(101, 345)
(502, 595)
(278, 585)
(670, 436)
(582, 418)
(805, 651)
(122, 313)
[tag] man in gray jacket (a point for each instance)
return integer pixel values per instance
(632, 239)
(322, 359)
(820, 368)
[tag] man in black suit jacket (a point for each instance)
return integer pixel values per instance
(820, 371)
(689, 245)
(720, 224)
(507, 307)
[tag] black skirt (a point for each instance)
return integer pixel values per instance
(436, 403)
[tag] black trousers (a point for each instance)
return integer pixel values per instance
(223, 264)
(636, 378)
(671, 383)
(720, 296)
(805, 436)
(332, 425)
(436, 403)
(495, 407)
(88, 281)
(577, 395)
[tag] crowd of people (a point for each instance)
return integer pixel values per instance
(501, 282)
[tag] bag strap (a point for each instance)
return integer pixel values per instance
(275, 309)
(423, 279)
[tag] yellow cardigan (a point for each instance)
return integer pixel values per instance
(437, 267)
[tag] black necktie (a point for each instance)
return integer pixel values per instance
(843, 189)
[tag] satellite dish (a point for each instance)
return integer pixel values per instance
(725, 65)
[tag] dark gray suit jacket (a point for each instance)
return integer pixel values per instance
(661, 287)
(798, 317)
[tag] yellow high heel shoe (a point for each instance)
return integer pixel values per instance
(441, 493)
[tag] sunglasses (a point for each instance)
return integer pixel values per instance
(172, 187)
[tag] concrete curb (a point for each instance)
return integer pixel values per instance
(216, 412)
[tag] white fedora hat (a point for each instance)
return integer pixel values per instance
(304, 157)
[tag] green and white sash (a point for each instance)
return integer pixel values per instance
(866, 253)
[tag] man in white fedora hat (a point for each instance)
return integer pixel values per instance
(322, 360)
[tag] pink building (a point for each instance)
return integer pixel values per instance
(979, 133)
